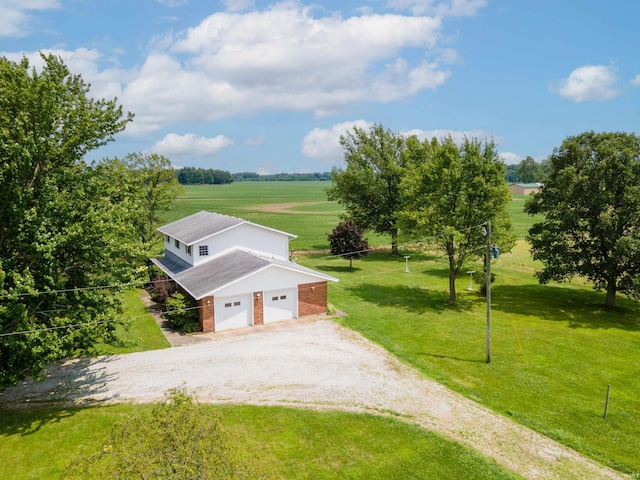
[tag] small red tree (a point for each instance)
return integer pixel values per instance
(346, 240)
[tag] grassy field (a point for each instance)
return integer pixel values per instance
(554, 348)
(277, 442)
(141, 334)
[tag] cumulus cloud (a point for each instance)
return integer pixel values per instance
(635, 81)
(286, 58)
(454, 8)
(510, 158)
(15, 15)
(457, 135)
(190, 146)
(255, 141)
(324, 144)
(237, 5)
(589, 83)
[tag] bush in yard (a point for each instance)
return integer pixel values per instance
(481, 281)
(160, 288)
(181, 313)
(176, 439)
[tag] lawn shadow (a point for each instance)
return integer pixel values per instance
(411, 299)
(450, 357)
(580, 308)
(337, 268)
(79, 382)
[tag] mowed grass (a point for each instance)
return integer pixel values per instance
(277, 442)
(142, 333)
(554, 348)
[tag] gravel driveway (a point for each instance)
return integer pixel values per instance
(312, 364)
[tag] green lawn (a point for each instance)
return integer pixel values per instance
(279, 442)
(554, 348)
(142, 332)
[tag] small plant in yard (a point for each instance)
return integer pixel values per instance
(181, 313)
(481, 282)
(172, 440)
(160, 288)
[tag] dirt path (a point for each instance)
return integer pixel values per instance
(309, 364)
(286, 208)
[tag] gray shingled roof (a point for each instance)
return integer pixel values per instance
(198, 226)
(222, 270)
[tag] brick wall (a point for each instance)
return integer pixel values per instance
(206, 314)
(258, 308)
(312, 298)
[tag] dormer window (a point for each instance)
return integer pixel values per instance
(203, 250)
(177, 243)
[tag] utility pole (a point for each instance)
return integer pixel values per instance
(488, 290)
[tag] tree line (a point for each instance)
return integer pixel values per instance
(442, 193)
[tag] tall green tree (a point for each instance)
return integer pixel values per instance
(369, 186)
(530, 171)
(149, 183)
(62, 229)
(450, 192)
(591, 205)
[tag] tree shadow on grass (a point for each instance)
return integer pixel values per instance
(412, 299)
(337, 268)
(32, 404)
(579, 308)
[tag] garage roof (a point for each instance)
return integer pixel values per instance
(202, 280)
(201, 225)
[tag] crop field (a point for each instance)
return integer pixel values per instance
(554, 347)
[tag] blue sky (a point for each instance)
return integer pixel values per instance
(245, 85)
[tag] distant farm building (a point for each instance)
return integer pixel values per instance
(525, 188)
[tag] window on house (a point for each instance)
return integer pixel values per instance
(283, 297)
(274, 299)
(236, 304)
(203, 250)
(177, 243)
(188, 249)
(227, 305)
(167, 238)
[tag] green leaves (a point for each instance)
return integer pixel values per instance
(591, 203)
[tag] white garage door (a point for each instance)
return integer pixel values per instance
(232, 312)
(280, 305)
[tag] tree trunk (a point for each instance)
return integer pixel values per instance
(351, 264)
(611, 295)
(394, 244)
(452, 281)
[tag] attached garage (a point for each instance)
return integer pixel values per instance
(233, 312)
(280, 305)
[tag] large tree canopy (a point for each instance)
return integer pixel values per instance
(64, 228)
(591, 204)
(450, 191)
(369, 187)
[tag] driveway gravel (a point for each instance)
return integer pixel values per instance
(306, 364)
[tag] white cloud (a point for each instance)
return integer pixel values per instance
(324, 144)
(510, 158)
(190, 146)
(283, 58)
(457, 135)
(15, 15)
(635, 81)
(589, 83)
(454, 8)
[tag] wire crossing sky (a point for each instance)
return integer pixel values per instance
(245, 85)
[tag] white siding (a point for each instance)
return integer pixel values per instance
(179, 251)
(272, 278)
(245, 236)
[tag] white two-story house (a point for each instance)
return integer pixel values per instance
(239, 272)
